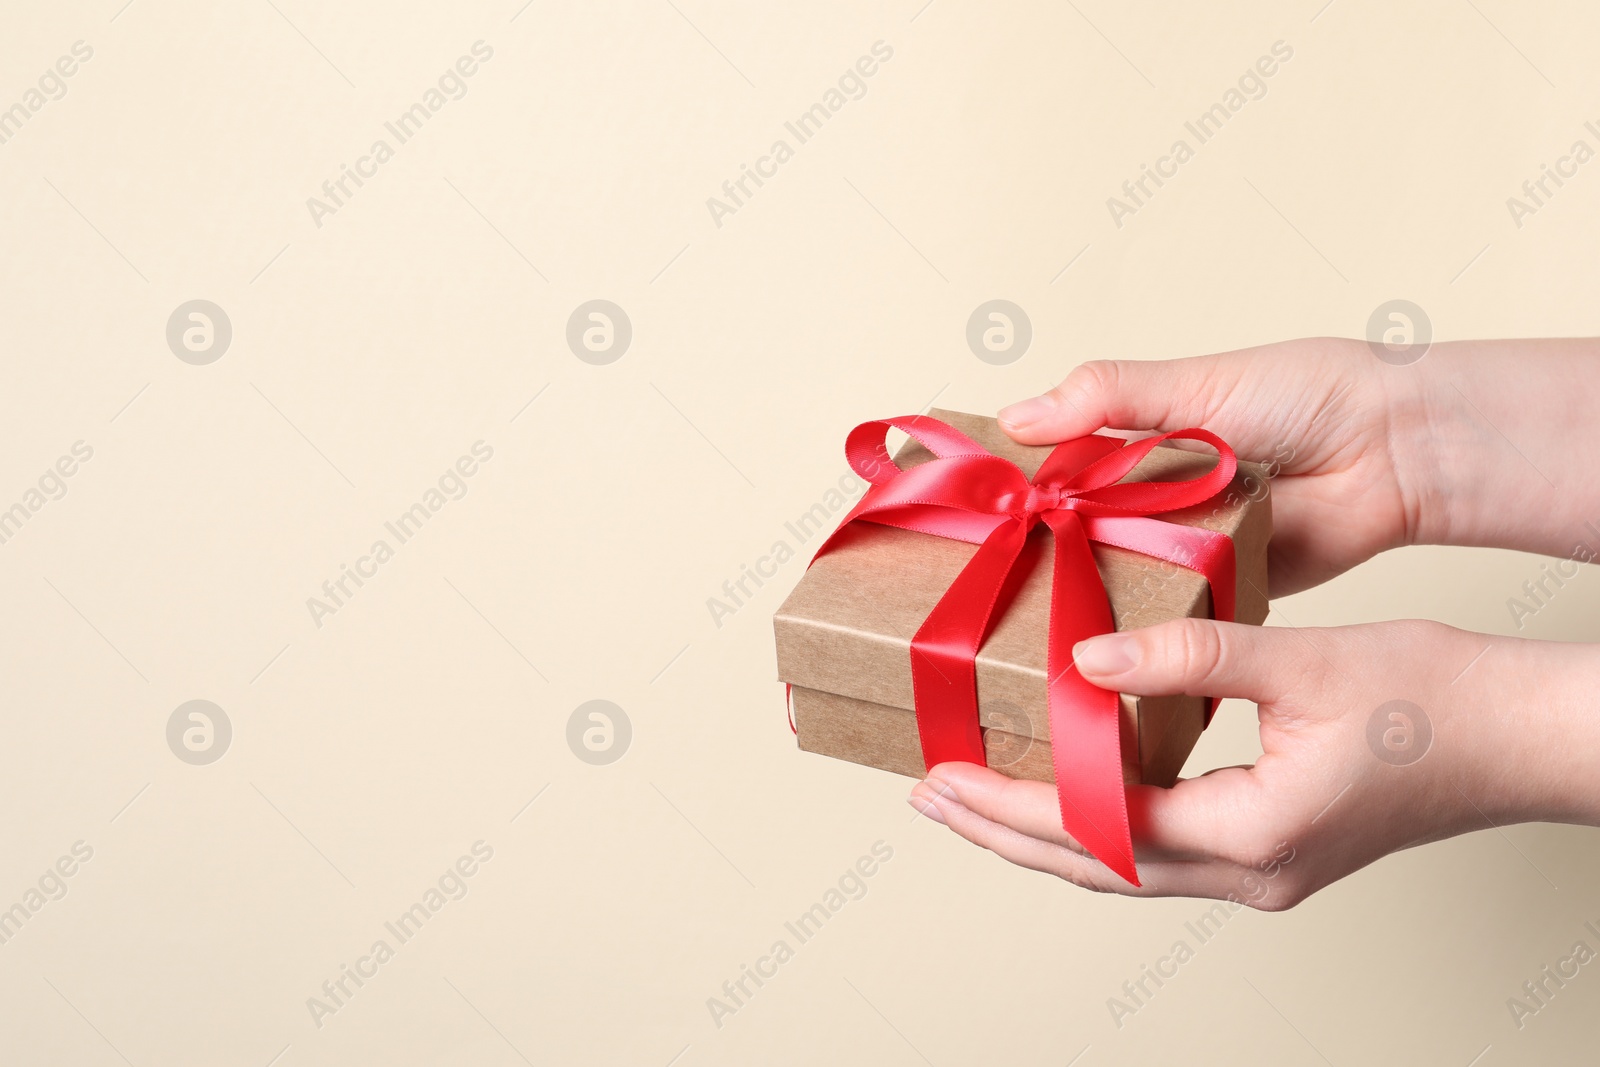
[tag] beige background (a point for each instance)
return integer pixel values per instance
(423, 316)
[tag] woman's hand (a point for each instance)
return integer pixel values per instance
(1472, 445)
(1318, 410)
(1491, 731)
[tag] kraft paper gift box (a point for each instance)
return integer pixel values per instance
(844, 633)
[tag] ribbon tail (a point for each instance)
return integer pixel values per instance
(1207, 552)
(1085, 720)
(944, 651)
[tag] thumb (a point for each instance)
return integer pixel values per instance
(1199, 657)
(1169, 394)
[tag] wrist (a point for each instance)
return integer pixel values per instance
(1536, 744)
(1431, 496)
(1479, 433)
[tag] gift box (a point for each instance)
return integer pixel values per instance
(845, 634)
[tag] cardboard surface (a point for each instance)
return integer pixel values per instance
(845, 631)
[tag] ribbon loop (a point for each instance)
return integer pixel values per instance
(969, 494)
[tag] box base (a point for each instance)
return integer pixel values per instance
(877, 735)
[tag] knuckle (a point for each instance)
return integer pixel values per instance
(1080, 874)
(1089, 381)
(1286, 892)
(1425, 634)
(1272, 903)
(1072, 845)
(1191, 649)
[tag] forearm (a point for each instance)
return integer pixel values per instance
(1493, 441)
(1534, 731)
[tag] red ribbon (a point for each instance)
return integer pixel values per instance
(969, 494)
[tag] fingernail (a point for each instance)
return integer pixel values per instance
(920, 803)
(1026, 412)
(942, 789)
(1110, 654)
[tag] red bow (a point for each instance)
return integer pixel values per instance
(969, 494)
